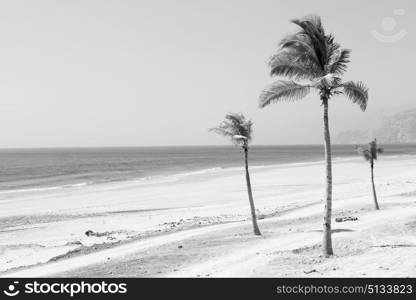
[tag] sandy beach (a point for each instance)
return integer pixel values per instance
(198, 225)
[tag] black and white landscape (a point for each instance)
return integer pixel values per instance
(185, 138)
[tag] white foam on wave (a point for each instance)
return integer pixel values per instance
(41, 189)
(157, 179)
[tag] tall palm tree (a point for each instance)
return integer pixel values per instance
(370, 154)
(240, 131)
(310, 59)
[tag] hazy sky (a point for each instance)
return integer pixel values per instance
(136, 73)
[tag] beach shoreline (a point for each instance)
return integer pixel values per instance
(203, 201)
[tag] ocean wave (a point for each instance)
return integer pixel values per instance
(42, 189)
(200, 172)
(155, 179)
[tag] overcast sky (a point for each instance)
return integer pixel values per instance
(138, 73)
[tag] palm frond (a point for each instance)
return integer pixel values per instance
(339, 61)
(236, 127)
(283, 90)
(375, 149)
(289, 64)
(364, 153)
(332, 47)
(312, 28)
(370, 152)
(357, 92)
(299, 45)
(372, 147)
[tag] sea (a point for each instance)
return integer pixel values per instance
(41, 169)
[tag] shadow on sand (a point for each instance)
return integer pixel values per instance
(395, 246)
(335, 230)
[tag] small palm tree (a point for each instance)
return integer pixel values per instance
(311, 60)
(370, 153)
(239, 130)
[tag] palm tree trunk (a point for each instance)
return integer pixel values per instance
(250, 195)
(374, 189)
(327, 239)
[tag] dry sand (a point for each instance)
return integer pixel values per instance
(199, 225)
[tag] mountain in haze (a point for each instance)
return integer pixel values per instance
(393, 129)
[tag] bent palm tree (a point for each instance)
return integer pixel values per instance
(240, 131)
(370, 154)
(311, 60)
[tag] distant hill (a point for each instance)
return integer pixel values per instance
(397, 128)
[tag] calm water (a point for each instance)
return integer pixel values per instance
(61, 168)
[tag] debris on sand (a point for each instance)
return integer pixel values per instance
(89, 232)
(108, 237)
(92, 233)
(345, 219)
(309, 272)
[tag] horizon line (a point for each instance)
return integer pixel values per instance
(173, 146)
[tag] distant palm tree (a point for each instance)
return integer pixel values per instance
(239, 130)
(370, 154)
(311, 59)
